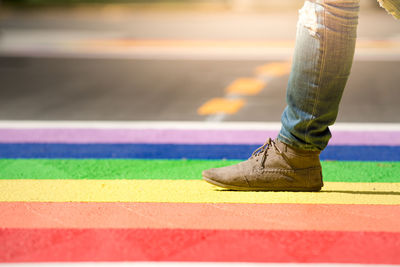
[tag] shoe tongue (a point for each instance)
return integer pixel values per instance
(285, 148)
(282, 146)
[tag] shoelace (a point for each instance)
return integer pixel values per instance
(264, 149)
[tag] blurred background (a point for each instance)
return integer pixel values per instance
(195, 60)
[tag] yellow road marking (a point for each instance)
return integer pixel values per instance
(185, 43)
(274, 69)
(245, 86)
(188, 191)
(366, 43)
(221, 105)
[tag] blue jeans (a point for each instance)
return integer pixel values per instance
(325, 42)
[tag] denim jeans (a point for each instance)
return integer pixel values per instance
(324, 50)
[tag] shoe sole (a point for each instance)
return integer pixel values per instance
(240, 188)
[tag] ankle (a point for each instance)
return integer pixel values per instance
(284, 146)
(299, 158)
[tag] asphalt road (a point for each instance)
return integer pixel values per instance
(75, 85)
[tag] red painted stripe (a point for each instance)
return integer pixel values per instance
(43, 245)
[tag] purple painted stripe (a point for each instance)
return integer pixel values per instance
(118, 136)
(163, 136)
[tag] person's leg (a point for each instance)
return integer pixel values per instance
(323, 57)
(326, 37)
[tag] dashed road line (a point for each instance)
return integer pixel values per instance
(245, 86)
(218, 108)
(221, 105)
(275, 69)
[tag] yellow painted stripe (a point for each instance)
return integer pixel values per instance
(221, 105)
(274, 69)
(245, 86)
(188, 191)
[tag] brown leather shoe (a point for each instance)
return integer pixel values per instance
(274, 166)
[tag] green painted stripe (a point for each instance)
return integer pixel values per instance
(106, 168)
(333, 171)
(357, 171)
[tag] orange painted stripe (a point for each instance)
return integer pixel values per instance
(221, 105)
(302, 217)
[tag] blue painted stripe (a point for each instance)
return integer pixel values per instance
(172, 151)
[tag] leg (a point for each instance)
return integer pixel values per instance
(325, 43)
(323, 57)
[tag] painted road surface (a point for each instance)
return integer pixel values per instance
(130, 193)
(101, 192)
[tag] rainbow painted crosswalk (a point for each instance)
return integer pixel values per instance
(132, 191)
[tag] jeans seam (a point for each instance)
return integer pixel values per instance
(323, 39)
